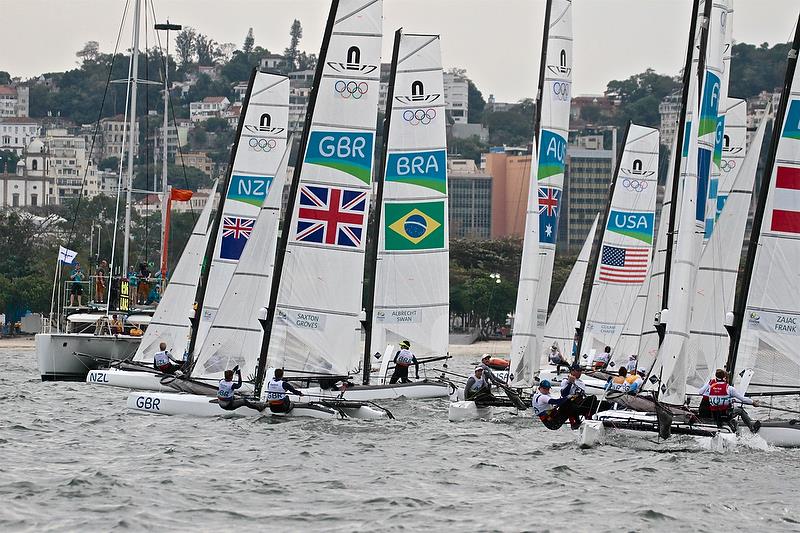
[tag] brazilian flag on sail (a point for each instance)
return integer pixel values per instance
(414, 226)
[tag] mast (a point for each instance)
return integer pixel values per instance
(133, 136)
(537, 117)
(588, 282)
(676, 171)
(375, 230)
(740, 304)
(295, 185)
(212, 240)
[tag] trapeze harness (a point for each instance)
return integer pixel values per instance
(405, 358)
(161, 361)
(276, 395)
(225, 391)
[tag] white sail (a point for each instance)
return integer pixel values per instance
(546, 184)
(560, 326)
(734, 148)
(719, 268)
(629, 341)
(553, 132)
(258, 151)
(771, 321)
(412, 273)
(672, 361)
(235, 335)
(316, 326)
(626, 243)
(170, 322)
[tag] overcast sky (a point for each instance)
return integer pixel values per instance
(497, 41)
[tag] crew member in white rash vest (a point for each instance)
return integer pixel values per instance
(717, 403)
(477, 387)
(553, 412)
(226, 393)
(403, 359)
(163, 361)
(276, 393)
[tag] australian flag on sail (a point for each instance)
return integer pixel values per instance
(235, 234)
(549, 208)
(331, 215)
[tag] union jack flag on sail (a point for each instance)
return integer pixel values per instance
(331, 216)
(235, 234)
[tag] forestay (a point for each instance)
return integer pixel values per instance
(412, 272)
(170, 323)
(235, 335)
(719, 268)
(258, 152)
(316, 325)
(560, 328)
(626, 243)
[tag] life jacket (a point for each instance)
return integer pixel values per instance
(225, 390)
(275, 392)
(405, 357)
(619, 383)
(478, 384)
(161, 359)
(718, 397)
(541, 405)
(631, 366)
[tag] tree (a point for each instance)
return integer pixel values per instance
(757, 69)
(207, 50)
(475, 102)
(5, 77)
(296, 33)
(89, 52)
(8, 161)
(306, 61)
(185, 45)
(249, 41)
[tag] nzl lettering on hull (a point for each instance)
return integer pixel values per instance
(348, 152)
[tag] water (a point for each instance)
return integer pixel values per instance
(72, 458)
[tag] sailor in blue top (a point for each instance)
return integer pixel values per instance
(276, 393)
(226, 395)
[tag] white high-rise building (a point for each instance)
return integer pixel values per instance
(456, 96)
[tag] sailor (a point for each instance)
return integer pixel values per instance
(636, 380)
(276, 393)
(163, 360)
(477, 387)
(633, 361)
(487, 370)
(717, 401)
(555, 357)
(226, 396)
(573, 387)
(403, 359)
(601, 360)
(619, 383)
(553, 412)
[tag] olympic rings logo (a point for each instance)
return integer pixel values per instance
(351, 89)
(634, 185)
(262, 145)
(561, 90)
(728, 165)
(419, 116)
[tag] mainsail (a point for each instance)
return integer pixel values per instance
(734, 148)
(235, 334)
(260, 143)
(719, 268)
(622, 259)
(767, 316)
(546, 183)
(170, 322)
(316, 317)
(411, 288)
(560, 326)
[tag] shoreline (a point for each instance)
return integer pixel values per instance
(18, 341)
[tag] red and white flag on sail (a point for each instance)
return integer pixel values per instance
(786, 200)
(624, 265)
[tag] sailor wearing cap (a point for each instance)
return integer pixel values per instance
(572, 385)
(403, 359)
(633, 360)
(487, 370)
(477, 386)
(553, 412)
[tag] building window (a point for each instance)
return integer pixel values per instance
(15, 200)
(34, 200)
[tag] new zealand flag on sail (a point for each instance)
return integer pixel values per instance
(235, 233)
(549, 208)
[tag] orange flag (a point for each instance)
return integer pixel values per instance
(181, 195)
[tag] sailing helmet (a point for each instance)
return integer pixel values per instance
(405, 344)
(545, 384)
(485, 356)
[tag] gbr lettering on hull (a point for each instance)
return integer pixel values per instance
(148, 404)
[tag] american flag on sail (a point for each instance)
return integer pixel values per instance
(786, 200)
(624, 265)
(329, 215)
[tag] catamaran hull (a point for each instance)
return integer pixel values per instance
(785, 434)
(419, 390)
(468, 410)
(591, 433)
(57, 357)
(163, 403)
(589, 381)
(127, 379)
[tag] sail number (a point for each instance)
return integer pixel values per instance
(149, 404)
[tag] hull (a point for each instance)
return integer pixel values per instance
(555, 379)
(591, 433)
(785, 433)
(58, 362)
(468, 410)
(202, 406)
(418, 390)
(127, 379)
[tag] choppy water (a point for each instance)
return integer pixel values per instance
(72, 458)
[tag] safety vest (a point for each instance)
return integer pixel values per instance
(225, 390)
(718, 397)
(619, 383)
(161, 359)
(541, 404)
(631, 366)
(275, 391)
(478, 384)
(405, 357)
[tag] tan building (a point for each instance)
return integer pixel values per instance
(510, 174)
(200, 161)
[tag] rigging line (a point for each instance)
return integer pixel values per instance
(97, 125)
(146, 144)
